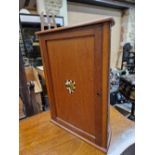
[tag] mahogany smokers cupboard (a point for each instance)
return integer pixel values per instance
(76, 64)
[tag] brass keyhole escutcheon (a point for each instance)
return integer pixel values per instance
(70, 86)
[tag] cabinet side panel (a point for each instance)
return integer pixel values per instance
(105, 82)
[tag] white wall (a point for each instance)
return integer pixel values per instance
(78, 13)
(128, 24)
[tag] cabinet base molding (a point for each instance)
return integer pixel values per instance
(77, 135)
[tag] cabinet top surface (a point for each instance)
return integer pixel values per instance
(110, 20)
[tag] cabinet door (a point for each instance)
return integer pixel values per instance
(72, 70)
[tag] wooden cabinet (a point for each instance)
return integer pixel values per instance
(76, 63)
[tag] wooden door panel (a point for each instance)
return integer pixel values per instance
(73, 59)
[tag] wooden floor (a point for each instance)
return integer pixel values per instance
(38, 136)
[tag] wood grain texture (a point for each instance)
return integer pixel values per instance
(79, 53)
(48, 81)
(38, 136)
(76, 64)
(105, 82)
